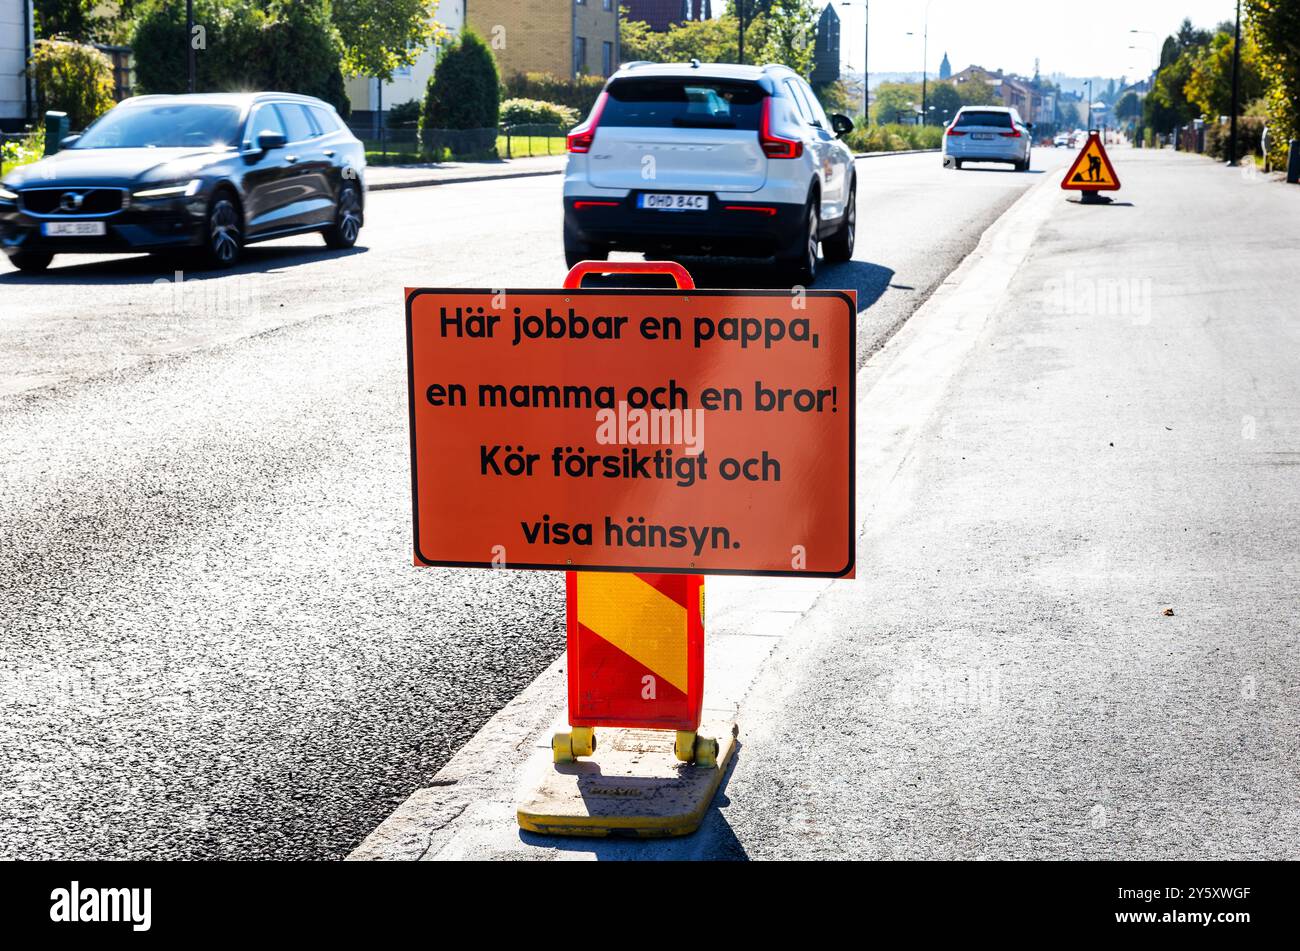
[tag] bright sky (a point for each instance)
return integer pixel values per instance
(1074, 37)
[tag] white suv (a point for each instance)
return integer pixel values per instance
(710, 159)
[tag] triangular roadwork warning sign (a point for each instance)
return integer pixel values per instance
(1092, 170)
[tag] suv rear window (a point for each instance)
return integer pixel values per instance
(684, 104)
(997, 120)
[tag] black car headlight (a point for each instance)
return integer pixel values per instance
(170, 190)
(8, 195)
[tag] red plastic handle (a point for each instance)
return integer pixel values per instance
(679, 274)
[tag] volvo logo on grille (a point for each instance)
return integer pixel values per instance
(71, 201)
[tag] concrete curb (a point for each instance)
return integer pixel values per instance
(459, 180)
(858, 155)
(467, 811)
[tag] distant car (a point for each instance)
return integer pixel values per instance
(987, 134)
(713, 159)
(1062, 141)
(209, 172)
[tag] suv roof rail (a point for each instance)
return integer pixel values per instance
(635, 63)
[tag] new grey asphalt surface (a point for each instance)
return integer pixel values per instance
(1073, 633)
(212, 641)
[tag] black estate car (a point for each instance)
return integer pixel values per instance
(207, 171)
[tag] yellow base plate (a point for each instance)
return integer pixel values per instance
(632, 785)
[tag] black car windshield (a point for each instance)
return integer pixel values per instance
(166, 125)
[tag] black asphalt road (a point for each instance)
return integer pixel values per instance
(212, 641)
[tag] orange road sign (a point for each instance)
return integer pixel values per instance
(1091, 170)
(652, 431)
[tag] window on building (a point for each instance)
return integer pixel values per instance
(579, 55)
(609, 4)
(606, 58)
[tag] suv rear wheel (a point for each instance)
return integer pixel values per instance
(575, 249)
(839, 246)
(800, 264)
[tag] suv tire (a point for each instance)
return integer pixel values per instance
(838, 248)
(799, 264)
(575, 249)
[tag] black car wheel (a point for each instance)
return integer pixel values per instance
(225, 239)
(839, 246)
(801, 265)
(575, 249)
(31, 262)
(347, 219)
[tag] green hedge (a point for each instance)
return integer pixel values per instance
(1250, 134)
(72, 78)
(894, 138)
(461, 102)
(579, 94)
(536, 112)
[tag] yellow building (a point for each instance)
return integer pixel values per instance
(565, 38)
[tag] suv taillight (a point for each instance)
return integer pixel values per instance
(580, 139)
(1013, 134)
(953, 130)
(775, 146)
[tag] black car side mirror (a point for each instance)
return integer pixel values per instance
(271, 140)
(1029, 125)
(842, 125)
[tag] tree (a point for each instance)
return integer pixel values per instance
(977, 94)
(1189, 37)
(70, 19)
(228, 53)
(786, 34)
(301, 51)
(380, 36)
(72, 78)
(1167, 105)
(1275, 27)
(944, 101)
(289, 46)
(896, 102)
(1169, 51)
(463, 93)
(1209, 87)
(1129, 106)
(779, 31)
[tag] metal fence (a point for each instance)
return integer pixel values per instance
(408, 144)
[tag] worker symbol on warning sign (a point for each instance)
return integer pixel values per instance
(1091, 171)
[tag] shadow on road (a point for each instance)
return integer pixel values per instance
(1004, 170)
(869, 280)
(148, 268)
(713, 841)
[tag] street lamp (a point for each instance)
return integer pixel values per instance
(866, 38)
(189, 42)
(1236, 89)
(925, 58)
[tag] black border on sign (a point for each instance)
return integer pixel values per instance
(646, 292)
